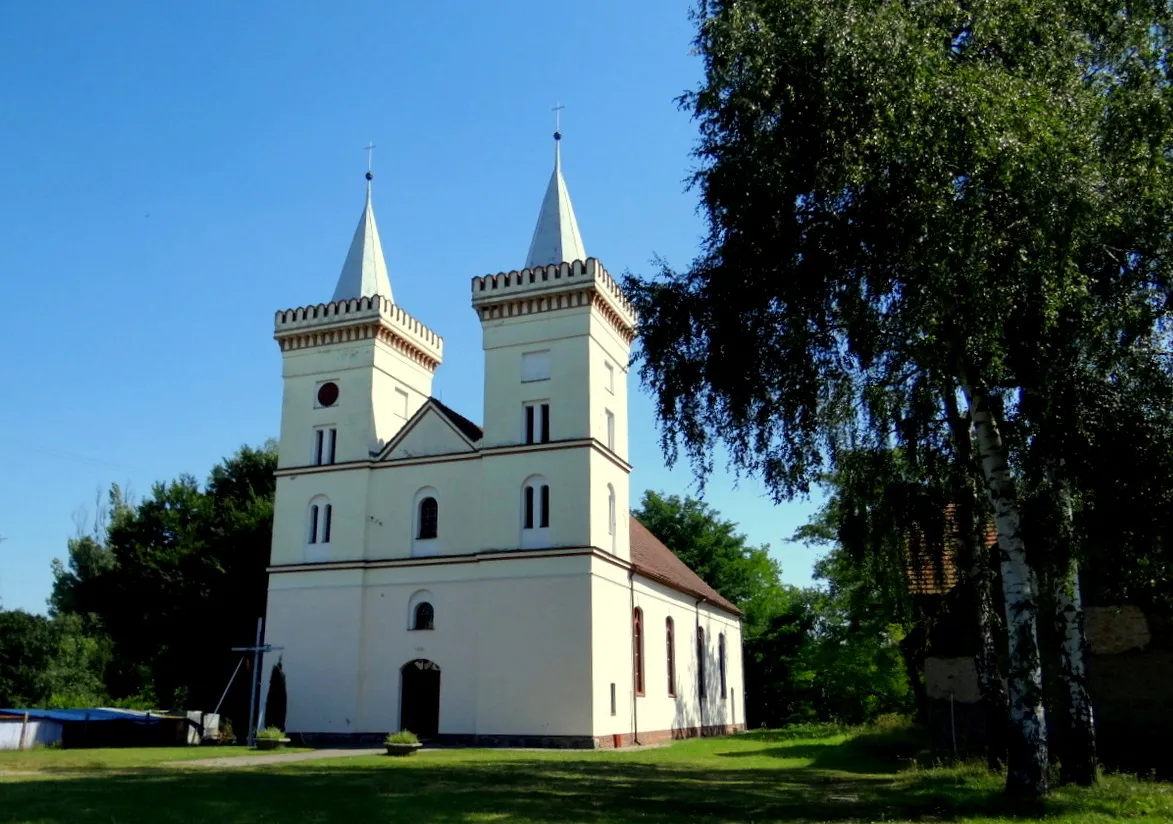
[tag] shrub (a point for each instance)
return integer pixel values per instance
(402, 737)
(271, 732)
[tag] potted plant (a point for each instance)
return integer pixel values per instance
(403, 742)
(271, 738)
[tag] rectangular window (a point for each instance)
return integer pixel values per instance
(537, 423)
(400, 407)
(324, 446)
(326, 524)
(721, 660)
(545, 522)
(535, 366)
(610, 511)
(610, 378)
(610, 430)
(529, 507)
(313, 524)
(612, 697)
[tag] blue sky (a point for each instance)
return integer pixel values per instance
(175, 173)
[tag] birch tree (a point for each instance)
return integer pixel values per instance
(902, 197)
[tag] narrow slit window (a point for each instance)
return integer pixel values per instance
(314, 524)
(529, 507)
(669, 632)
(545, 522)
(613, 702)
(326, 524)
(545, 423)
(332, 439)
(721, 660)
(529, 424)
(319, 442)
(610, 430)
(637, 648)
(700, 662)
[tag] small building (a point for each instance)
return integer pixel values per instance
(24, 729)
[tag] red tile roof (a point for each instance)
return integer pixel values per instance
(929, 576)
(652, 559)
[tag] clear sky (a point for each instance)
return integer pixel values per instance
(173, 173)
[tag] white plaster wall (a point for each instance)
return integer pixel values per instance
(604, 472)
(367, 374)
(512, 640)
(40, 733)
(392, 494)
(431, 435)
(657, 710)
(565, 333)
(503, 476)
(318, 618)
(346, 490)
(611, 661)
(607, 347)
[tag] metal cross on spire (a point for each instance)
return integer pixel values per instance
(557, 110)
(370, 147)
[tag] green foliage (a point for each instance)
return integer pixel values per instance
(402, 737)
(167, 586)
(808, 655)
(712, 547)
(271, 733)
(28, 645)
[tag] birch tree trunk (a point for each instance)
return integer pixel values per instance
(1078, 762)
(975, 561)
(1026, 774)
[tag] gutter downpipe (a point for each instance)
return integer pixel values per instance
(634, 697)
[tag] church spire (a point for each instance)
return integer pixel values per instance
(556, 238)
(364, 274)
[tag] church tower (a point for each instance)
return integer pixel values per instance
(355, 368)
(557, 340)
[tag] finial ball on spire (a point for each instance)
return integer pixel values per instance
(557, 135)
(370, 176)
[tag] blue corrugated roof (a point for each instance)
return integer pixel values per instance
(86, 715)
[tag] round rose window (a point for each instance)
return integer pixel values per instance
(328, 394)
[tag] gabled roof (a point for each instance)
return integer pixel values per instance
(462, 427)
(653, 560)
(364, 274)
(556, 238)
(469, 429)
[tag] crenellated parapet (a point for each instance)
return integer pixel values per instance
(551, 288)
(356, 319)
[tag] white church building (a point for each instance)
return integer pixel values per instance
(481, 584)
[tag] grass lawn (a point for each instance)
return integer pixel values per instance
(786, 775)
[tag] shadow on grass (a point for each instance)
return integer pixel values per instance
(393, 790)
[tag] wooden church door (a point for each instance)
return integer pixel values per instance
(420, 698)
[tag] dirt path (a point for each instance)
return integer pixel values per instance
(274, 758)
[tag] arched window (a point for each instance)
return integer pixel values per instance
(700, 661)
(670, 633)
(425, 616)
(721, 660)
(320, 516)
(535, 512)
(429, 518)
(610, 509)
(637, 645)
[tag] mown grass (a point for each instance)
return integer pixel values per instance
(805, 774)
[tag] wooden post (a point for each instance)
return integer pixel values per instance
(24, 727)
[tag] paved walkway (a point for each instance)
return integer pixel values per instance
(275, 758)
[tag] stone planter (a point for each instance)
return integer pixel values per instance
(271, 743)
(402, 749)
